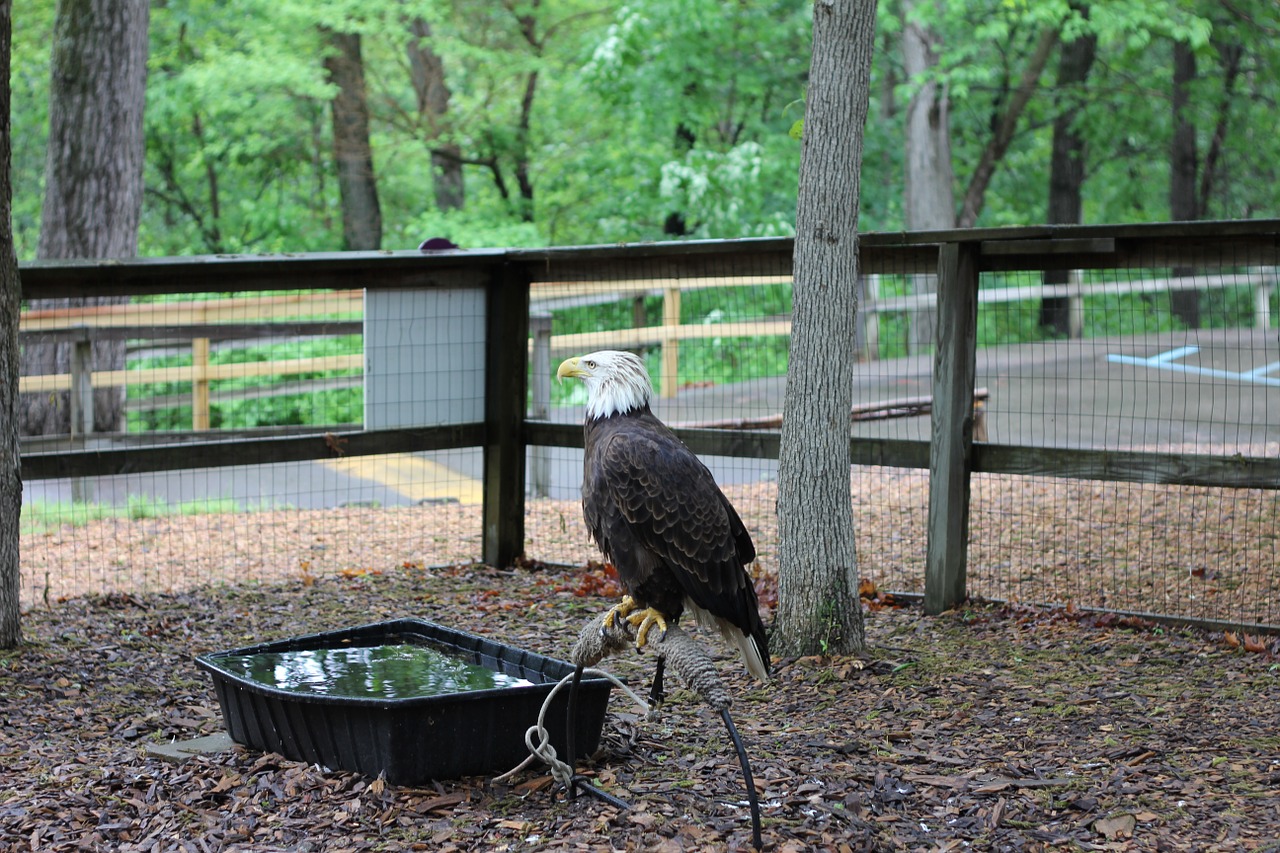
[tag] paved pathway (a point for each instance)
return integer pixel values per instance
(1213, 390)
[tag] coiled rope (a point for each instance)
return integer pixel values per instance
(538, 739)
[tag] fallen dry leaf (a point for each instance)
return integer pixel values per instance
(1116, 826)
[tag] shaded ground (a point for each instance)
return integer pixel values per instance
(1180, 551)
(1012, 729)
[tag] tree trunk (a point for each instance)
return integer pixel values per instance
(1005, 124)
(361, 215)
(426, 71)
(929, 193)
(818, 608)
(1231, 55)
(10, 303)
(93, 180)
(1183, 168)
(1066, 167)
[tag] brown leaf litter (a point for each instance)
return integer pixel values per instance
(1011, 729)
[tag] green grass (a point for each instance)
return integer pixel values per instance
(40, 517)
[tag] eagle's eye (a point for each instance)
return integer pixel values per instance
(591, 365)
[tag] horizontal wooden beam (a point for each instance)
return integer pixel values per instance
(243, 309)
(177, 451)
(213, 373)
(1130, 466)
(255, 392)
(651, 335)
(1108, 465)
(1151, 244)
(246, 273)
(135, 459)
(1061, 246)
(185, 333)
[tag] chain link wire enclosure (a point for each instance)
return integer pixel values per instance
(1123, 455)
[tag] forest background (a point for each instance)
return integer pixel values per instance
(562, 122)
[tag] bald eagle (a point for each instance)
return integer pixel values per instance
(659, 517)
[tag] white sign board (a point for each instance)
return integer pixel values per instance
(424, 357)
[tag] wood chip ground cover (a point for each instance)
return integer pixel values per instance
(990, 729)
(1180, 551)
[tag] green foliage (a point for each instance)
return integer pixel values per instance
(715, 359)
(579, 122)
(40, 516)
(29, 117)
(326, 407)
(235, 130)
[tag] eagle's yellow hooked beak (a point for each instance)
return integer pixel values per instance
(569, 368)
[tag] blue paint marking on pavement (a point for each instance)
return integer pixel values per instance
(1167, 361)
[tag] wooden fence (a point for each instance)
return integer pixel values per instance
(243, 318)
(511, 278)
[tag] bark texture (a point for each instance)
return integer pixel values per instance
(1184, 166)
(93, 180)
(928, 180)
(1066, 166)
(929, 201)
(361, 213)
(818, 608)
(426, 71)
(10, 299)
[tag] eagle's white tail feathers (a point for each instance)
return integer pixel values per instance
(733, 635)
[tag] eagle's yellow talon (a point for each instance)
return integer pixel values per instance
(643, 621)
(622, 608)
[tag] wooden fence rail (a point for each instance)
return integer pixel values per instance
(243, 318)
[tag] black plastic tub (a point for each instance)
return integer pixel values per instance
(412, 739)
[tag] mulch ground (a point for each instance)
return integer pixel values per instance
(1008, 728)
(1185, 552)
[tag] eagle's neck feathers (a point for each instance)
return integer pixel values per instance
(624, 390)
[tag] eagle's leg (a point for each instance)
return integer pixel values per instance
(623, 609)
(644, 620)
(656, 693)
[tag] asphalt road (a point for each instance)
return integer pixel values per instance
(1212, 391)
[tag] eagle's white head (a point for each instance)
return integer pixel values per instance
(617, 382)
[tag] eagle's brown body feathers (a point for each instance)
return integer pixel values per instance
(657, 514)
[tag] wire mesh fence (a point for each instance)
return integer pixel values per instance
(1164, 361)
(235, 371)
(1118, 359)
(1104, 361)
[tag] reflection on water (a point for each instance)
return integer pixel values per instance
(396, 671)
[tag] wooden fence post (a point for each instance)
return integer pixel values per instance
(869, 318)
(1075, 310)
(200, 383)
(506, 386)
(671, 346)
(540, 408)
(82, 387)
(951, 448)
(81, 407)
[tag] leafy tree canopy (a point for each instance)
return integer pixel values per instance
(577, 121)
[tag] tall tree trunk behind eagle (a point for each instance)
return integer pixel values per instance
(818, 609)
(426, 73)
(93, 181)
(928, 195)
(10, 299)
(1066, 166)
(357, 188)
(1184, 204)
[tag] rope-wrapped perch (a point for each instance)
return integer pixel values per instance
(690, 660)
(597, 641)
